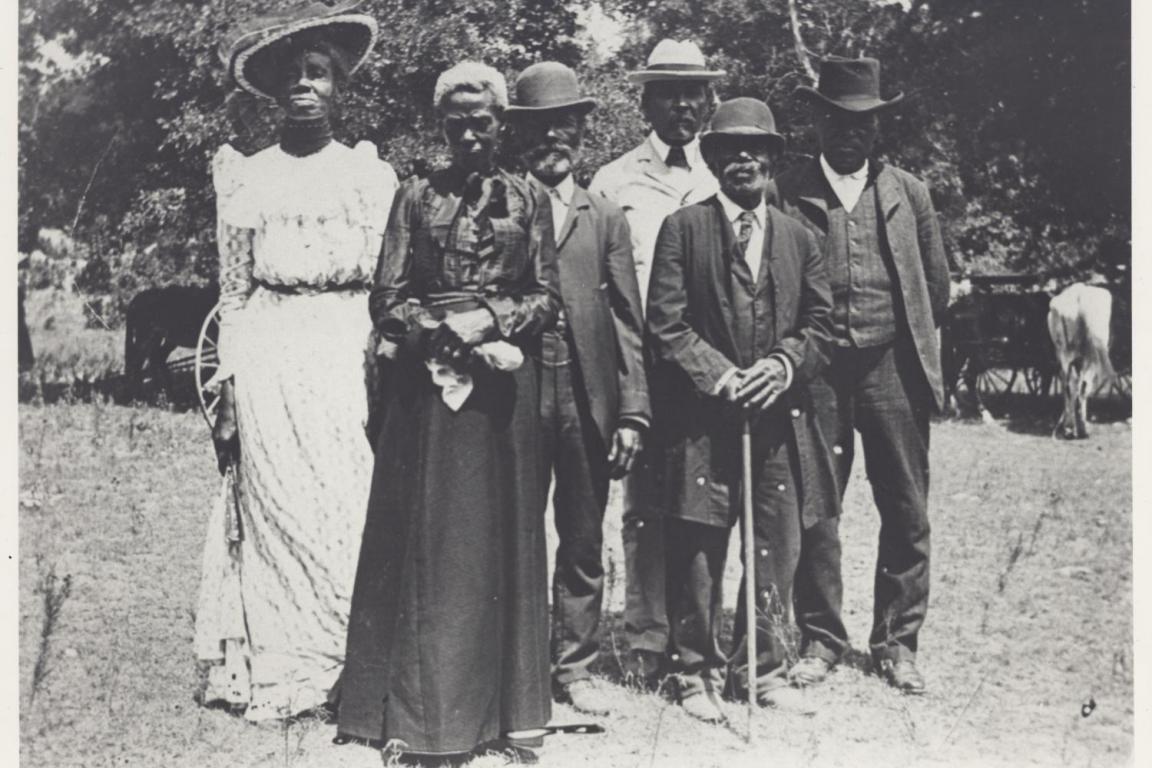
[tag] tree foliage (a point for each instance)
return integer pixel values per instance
(1017, 114)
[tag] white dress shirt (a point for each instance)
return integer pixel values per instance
(848, 187)
(560, 196)
(753, 256)
(691, 154)
(755, 251)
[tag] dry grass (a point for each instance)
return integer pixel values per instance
(1030, 616)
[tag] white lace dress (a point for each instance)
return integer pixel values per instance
(298, 239)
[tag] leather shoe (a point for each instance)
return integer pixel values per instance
(902, 675)
(585, 696)
(810, 670)
(702, 706)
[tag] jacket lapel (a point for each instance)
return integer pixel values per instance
(813, 192)
(577, 208)
(888, 190)
(722, 238)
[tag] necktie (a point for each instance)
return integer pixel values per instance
(746, 220)
(676, 158)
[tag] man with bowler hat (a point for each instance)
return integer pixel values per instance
(889, 278)
(658, 176)
(594, 394)
(738, 316)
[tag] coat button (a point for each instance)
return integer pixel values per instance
(795, 413)
(639, 523)
(781, 487)
(700, 481)
(763, 553)
(837, 450)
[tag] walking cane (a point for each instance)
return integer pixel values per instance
(749, 567)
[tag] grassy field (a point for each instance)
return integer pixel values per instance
(1030, 616)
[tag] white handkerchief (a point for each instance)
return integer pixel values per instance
(454, 387)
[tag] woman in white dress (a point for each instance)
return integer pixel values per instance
(299, 228)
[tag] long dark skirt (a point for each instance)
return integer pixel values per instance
(448, 636)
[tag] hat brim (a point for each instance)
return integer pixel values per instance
(710, 137)
(694, 75)
(355, 33)
(584, 106)
(859, 106)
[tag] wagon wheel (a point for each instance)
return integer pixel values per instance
(995, 382)
(207, 362)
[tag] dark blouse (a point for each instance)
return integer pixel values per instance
(451, 238)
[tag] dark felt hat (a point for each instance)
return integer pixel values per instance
(547, 86)
(743, 116)
(248, 51)
(849, 84)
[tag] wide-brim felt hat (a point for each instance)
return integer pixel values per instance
(676, 60)
(743, 116)
(545, 87)
(852, 85)
(248, 51)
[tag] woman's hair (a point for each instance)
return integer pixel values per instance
(472, 77)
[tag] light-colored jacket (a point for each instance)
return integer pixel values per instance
(648, 190)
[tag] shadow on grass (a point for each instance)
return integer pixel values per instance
(1027, 414)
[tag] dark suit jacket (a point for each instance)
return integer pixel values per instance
(602, 308)
(690, 330)
(912, 232)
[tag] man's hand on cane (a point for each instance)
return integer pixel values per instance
(762, 383)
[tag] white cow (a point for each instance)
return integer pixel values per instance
(1078, 320)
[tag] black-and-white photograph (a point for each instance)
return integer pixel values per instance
(582, 383)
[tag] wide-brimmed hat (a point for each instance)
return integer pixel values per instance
(247, 50)
(676, 60)
(547, 86)
(743, 116)
(849, 84)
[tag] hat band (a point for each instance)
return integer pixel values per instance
(674, 67)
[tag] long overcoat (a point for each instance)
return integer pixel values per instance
(909, 227)
(690, 327)
(603, 309)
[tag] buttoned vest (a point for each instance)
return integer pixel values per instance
(861, 272)
(753, 313)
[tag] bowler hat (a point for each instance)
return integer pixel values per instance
(849, 84)
(742, 116)
(546, 86)
(247, 50)
(676, 60)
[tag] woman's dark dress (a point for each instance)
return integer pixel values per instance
(448, 636)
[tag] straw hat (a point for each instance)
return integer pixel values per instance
(247, 50)
(676, 60)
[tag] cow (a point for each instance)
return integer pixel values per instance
(1079, 320)
(157, 321)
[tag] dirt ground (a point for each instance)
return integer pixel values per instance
(1027, 647)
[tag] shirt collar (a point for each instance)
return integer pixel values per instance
(732, 210)
(834, 177)
(564, 190)
(691, 150)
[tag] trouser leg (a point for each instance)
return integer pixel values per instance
(696, 556)
(645, 611)
(776, 526)
(893, 410)
(819, 588)
(581, 494)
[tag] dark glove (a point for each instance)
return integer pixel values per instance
(225, 436)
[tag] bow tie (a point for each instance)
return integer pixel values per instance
(676, 158)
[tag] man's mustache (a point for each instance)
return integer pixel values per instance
(550, 149)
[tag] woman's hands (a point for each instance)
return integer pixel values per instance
(225, 437)
(454, 338)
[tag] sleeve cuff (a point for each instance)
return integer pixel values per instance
(641, 423)
(787, 363)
